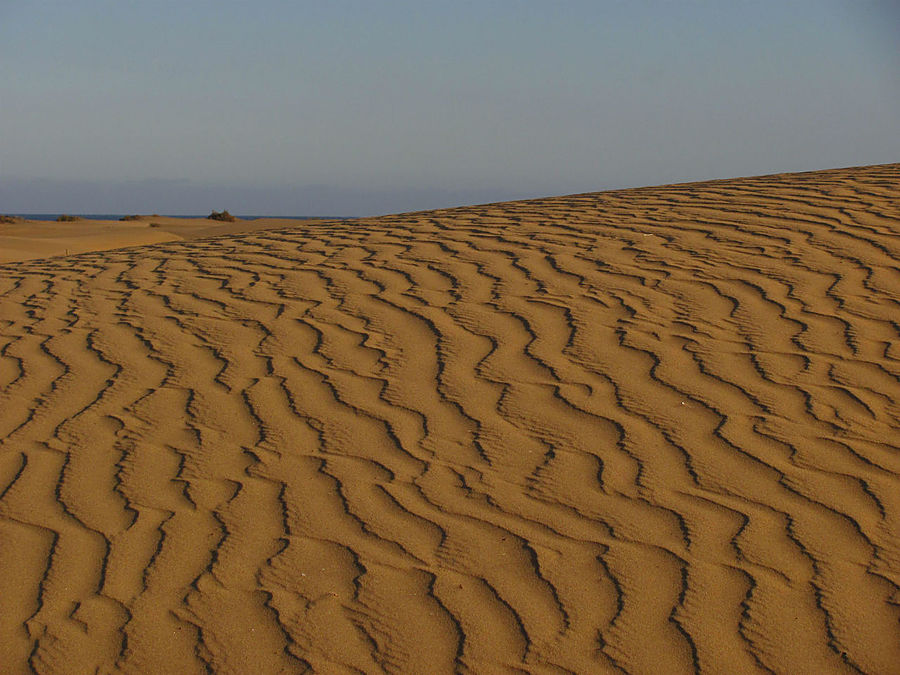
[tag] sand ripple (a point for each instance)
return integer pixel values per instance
(651, 430)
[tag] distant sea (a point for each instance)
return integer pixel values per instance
(117, 216)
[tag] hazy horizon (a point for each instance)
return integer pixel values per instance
(348, 109)
(153, 192)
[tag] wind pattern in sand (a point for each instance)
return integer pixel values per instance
(650, 430)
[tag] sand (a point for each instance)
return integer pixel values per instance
(650, 431)
(32, 239)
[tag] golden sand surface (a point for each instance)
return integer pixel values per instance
(646, 431)
(31, 239)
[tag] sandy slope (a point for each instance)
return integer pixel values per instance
(652, 430)
(32, 239)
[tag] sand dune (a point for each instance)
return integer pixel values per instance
(644, 431)
(25, 239)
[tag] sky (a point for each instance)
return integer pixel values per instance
(362, 107)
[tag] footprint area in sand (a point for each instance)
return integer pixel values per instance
(649, 430)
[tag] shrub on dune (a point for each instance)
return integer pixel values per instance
(221, 215)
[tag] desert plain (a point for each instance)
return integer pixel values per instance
(653, 430)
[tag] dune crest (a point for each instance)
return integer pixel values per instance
(650, 430)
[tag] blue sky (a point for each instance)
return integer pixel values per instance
(364, 107)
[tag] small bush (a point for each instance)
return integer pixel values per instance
(155, 224)
(9, 220)
(64, 218)
(131, 218)
(223, 216)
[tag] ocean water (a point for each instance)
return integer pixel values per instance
(117, 216)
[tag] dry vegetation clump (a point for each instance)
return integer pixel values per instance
(65, 218)
(221, 215)
(131, 218)
(9, 220)
(155, 224)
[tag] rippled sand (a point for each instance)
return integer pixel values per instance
(652, 431)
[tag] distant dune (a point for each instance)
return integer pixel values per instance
(23, 239)
(643, 431)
